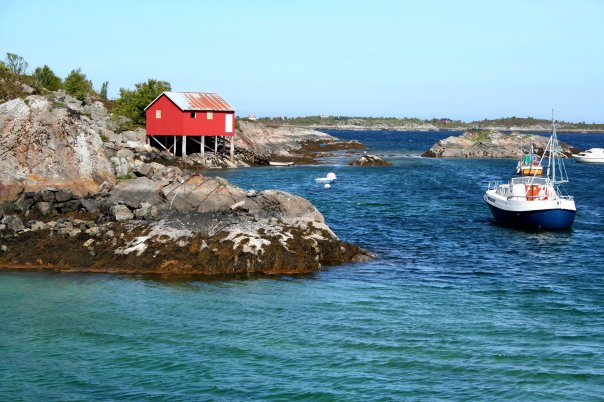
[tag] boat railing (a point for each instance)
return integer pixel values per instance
(493, 184)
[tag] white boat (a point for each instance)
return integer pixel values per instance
(533, 202)
(593, 155)
(272, 163)
(329, 179)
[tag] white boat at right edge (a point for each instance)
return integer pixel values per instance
(532, 202)
(593, 155)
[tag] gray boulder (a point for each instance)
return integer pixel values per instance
(136, 191)
(63, 195)
(121, 213)
(139, 135)
(13, 223)
(45, 208)
(146, 211)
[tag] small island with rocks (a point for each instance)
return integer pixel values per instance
(492, 145)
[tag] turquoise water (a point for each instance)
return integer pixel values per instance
(454, 307)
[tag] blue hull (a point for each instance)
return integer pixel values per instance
(551, 219)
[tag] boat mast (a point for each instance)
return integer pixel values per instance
(553, 152)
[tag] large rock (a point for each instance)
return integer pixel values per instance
(202, 194)
(121, 213)
(44, 146)
(134, 192)
(490, 144)
(370, 160)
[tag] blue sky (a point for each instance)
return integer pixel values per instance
(460, 59)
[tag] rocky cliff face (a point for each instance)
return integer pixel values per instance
(47, 144)
(489, 144)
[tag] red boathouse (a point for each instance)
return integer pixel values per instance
(179, 122)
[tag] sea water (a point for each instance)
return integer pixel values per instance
(453, 306)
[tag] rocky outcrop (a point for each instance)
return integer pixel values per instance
(192, 225)
(44, 144)
(370, 160)
(490, 144)
(287, 142)
(74, 196)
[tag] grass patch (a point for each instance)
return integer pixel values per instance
(479, 136)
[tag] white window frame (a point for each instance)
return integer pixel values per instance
(210, 115)
(158, 114)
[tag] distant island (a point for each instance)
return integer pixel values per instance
(492, 144)
(436, 124)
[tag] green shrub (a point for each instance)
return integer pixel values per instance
(46, 78)
(10, 88)
(77, 84)
(132, 104)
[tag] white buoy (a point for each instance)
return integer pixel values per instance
(327, 185)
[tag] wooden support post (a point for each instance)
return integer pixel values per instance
(184, 147)
(160, 144)
(174, 145)
(203, 147)
(233, 148)
(215, 145)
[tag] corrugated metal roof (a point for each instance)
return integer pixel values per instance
(196, 101)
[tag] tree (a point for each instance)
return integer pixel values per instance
(16, 63)
(132, 103)
(77, 84)
(103, 93)
(45, 77)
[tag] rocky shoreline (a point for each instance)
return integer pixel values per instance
(75, 195)
(273, 233)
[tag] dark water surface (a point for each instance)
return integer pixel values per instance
(454, 307)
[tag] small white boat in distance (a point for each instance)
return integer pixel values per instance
(593, 155)
(271, 163)
(329, 179)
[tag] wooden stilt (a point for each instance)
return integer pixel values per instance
(184, 147)
(160, 144)
(233, 148)
(203, 147)
(174, 145)
(215, 145)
